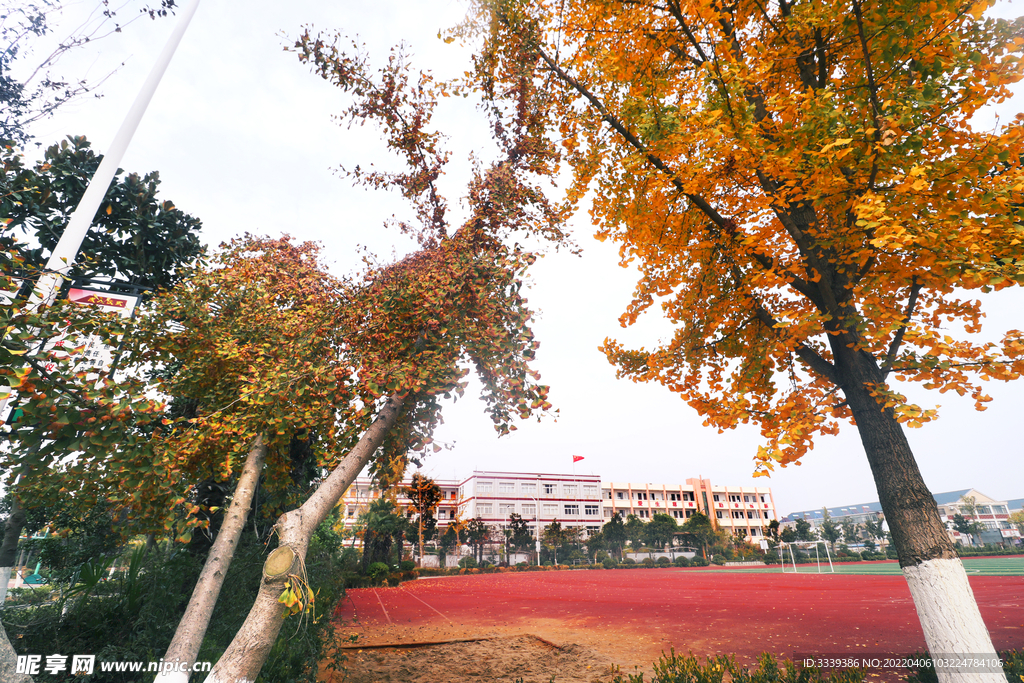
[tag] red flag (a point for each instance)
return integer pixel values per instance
(577, 458)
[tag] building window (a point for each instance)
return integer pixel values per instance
(766, 514)
(718, 513)
(620, 495)
(483, 508)
(506, 509)
(678, 514)
(572, 510)
(441, 514)
(737, 514)
(607, 512)
(640, 495)
(752, 514)
(549, 489)
(351, 512)
(763, 500)
(673, 496)
(755, 531)
(590, 510)
(746, 499)
(643, 513)
(688, 497)
(529, 510)
(550, 510)
(734, 498)
(569, 490)
(507, 487)
(590, 492)
(483, 487)
(716, 497)
(689, 513)
(528, 489)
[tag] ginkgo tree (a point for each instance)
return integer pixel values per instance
(800, 187)
(406, 334)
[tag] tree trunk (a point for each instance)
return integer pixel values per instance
(9, 550)
(248, 650)
(949, 615)
(188, 637)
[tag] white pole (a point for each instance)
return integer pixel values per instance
(830, 566)
(817, 557)
(66, 251)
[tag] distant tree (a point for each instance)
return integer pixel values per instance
(1017, 518)
(661, 530)
(699, 530)
(967, 526)
(874, 528)
(424, 496)
(614, 533)
(553, 538)
(478, 534)
(448, 540)
(804, 532)
(519, 535)
(635, 531)
(851, 531)
(595, 542)
(830, 530)
(787, 535)
(380, 523)
(771, 534)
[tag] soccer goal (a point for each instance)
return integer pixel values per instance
(785, 548)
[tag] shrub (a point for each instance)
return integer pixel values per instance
(699, 562)
(468, 562)
(648, 562)
(520, 565)
(682, 561)
(629, 560)
(609, 563)
(600, 556)
(407, 565)
(377, 571)
(664, 561)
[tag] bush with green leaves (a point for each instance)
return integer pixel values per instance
(468, 562)
(609, 563)
(133, 614)
(664, 561)
(648, 562)
(377, 571)
(681, 561)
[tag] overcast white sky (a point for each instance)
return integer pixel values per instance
(242, 136)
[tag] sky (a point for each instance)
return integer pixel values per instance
(243, 138)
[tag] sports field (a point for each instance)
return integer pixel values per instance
(495, 626)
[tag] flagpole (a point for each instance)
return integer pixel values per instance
(64, 254)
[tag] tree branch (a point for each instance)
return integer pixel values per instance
(897, 341)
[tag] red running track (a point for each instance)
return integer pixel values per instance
(636, 614)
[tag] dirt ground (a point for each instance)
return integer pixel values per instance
(515, 659)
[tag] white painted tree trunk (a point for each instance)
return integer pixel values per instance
(9, 659)
(952, 624)
(188, 637)
(5, 580)
(244, 658)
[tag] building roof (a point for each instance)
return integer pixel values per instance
(940, 499)
(1015, 504)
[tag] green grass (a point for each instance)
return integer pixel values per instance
(975, 566)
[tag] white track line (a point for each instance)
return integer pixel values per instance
(430, 606)
(386, 615)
